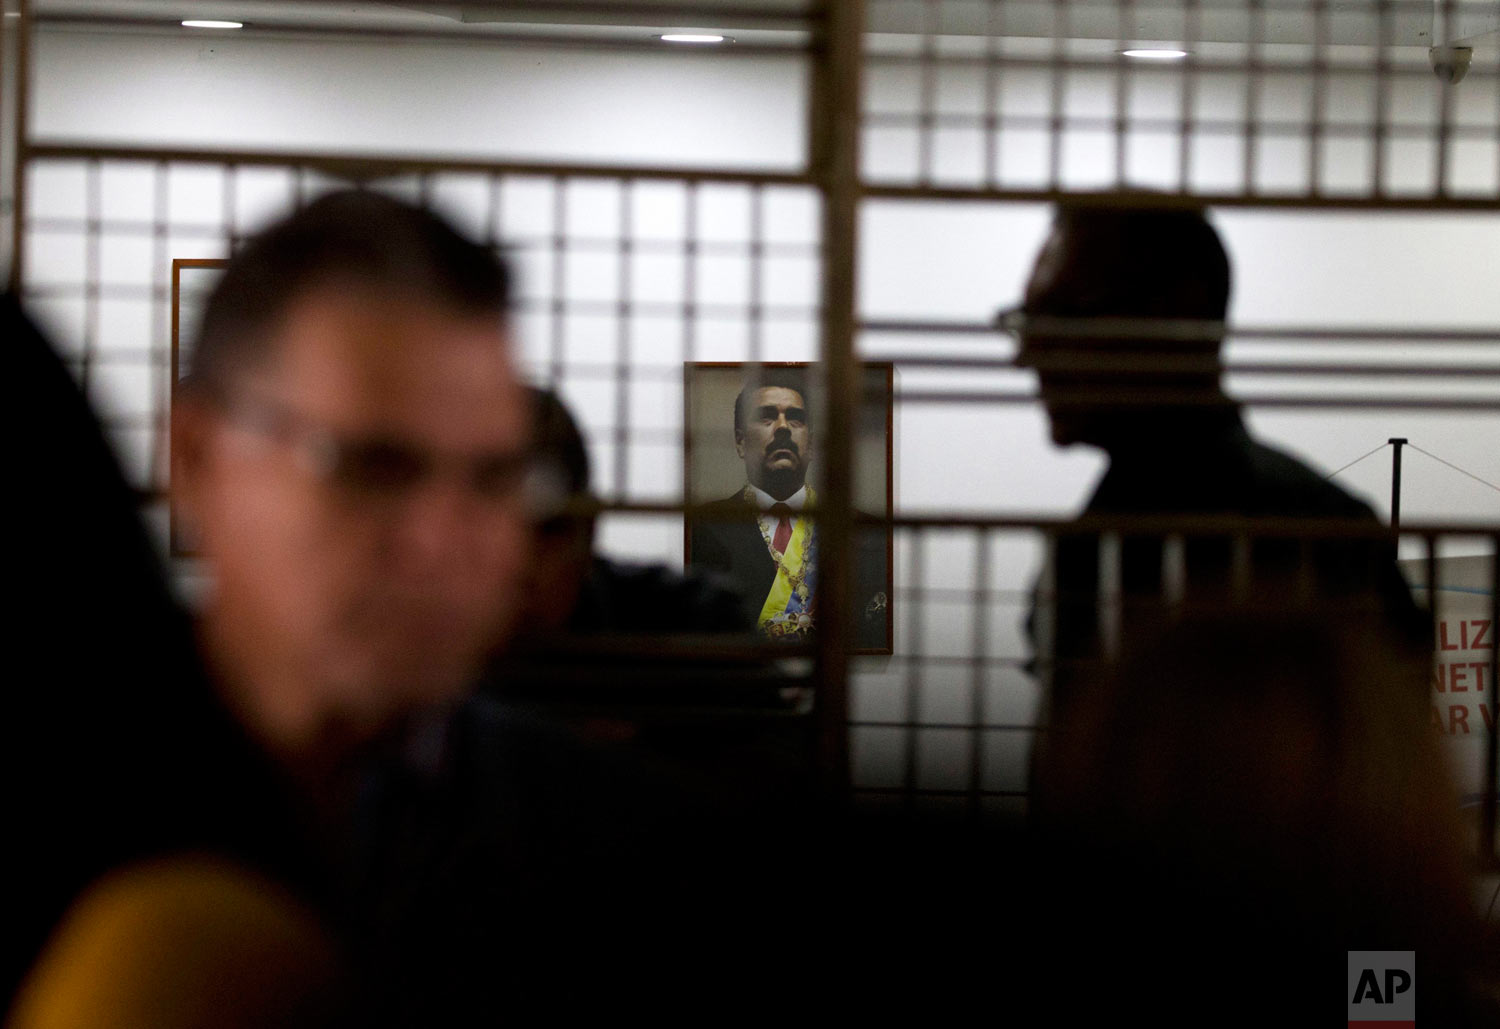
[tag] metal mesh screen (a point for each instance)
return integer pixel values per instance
(968, 111)
(1300, 101)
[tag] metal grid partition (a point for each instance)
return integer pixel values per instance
(1306, 108)
(929, 128)
(1298, 102)
(626, 270)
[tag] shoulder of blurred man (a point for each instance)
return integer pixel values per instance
(524, 827)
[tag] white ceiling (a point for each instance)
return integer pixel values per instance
(787, 22)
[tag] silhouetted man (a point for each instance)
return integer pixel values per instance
(760, 537)
(1123, 321)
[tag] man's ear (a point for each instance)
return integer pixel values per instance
(739, 442)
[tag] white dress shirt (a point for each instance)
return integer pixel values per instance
(763, 500)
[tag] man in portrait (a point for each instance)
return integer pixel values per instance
(763, 536)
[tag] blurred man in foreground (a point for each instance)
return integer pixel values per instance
(352, 455)
(350, 452)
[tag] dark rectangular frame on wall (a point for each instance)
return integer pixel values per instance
(887, 373)
(179, 547)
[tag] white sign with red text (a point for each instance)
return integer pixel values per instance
(1463, 684)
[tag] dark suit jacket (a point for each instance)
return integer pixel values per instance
(727, 539)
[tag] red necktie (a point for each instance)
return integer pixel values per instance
(783, 516)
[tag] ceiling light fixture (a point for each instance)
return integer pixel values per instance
(1155, 54)
(693, 37)
(201, 23)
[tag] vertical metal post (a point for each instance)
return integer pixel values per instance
(18, 150)
(1430, 579)
(1252, 97)
(979, 646)
(912, 732)
(556, 339)
(624, 312)
(6, 168)
(1491, 809)
(1444, 23)
(833, 152)
(1396, 442)
(1382, 99)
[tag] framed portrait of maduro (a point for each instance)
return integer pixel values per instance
(752, 465)
(193, 278)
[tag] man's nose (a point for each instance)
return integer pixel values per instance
(441, 522)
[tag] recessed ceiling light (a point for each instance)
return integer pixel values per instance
(200, 23)
(693, 37)
(1155, 54)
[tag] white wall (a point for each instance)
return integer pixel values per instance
(918, 260)
(419, 97)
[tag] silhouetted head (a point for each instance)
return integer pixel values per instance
(771, 431)
(350, 450)
(1123, 318)
(562, 553)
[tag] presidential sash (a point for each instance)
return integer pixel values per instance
(788, 610)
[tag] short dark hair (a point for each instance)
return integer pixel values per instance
(348, 237)
(558, 440)
(766, 377)
(1141, 259)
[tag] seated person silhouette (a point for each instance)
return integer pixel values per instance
(1123, 321)
(596, 626)
(639, 653)
(573, 590)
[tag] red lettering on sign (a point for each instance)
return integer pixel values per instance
(1443, 643)
(1440, 678)
(1488, 716)
(1456, 673)
(1457, 715)
(1482, 636)
(1480, 668)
